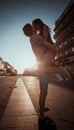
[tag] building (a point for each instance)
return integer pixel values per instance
(64, 36)
(2, 70)
(6, 68)
(10, 69)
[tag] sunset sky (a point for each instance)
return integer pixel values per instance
(14, 14)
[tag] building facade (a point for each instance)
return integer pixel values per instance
(64, 36)
(6, 68)
(2, 70)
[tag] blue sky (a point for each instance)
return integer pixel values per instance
(14, 14)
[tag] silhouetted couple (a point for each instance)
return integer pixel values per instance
(45, 52)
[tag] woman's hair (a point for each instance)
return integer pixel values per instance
(38, 23)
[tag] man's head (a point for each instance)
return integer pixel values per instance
(28, 29)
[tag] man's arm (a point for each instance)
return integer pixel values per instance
(46, 44)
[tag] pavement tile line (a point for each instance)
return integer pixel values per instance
(20, 111)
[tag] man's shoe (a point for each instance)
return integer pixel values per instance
(45, 109)
(47, 123)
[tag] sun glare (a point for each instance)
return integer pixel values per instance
(31, 62)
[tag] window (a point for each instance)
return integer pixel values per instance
(65, 42)
(60, 46)
(55, 57)
(66, 52)
(72, 37)
(73, 49)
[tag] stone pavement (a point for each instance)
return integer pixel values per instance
(60, 100)
(7, 84)
(20, 113)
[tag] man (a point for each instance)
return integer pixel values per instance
(39, 48)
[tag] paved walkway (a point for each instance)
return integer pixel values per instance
(60, 100)
(21, 104)
(20, 113)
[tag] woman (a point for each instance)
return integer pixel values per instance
(38, 43)
(50, 53)
(43, 30)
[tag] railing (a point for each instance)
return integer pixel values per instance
(64, 25)
(70, 43)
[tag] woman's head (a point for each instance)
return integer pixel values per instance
(38, 24)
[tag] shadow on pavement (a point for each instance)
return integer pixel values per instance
(65, 84)
(50, 125)
(5, 102)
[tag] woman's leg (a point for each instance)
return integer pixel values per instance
(57, 70)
